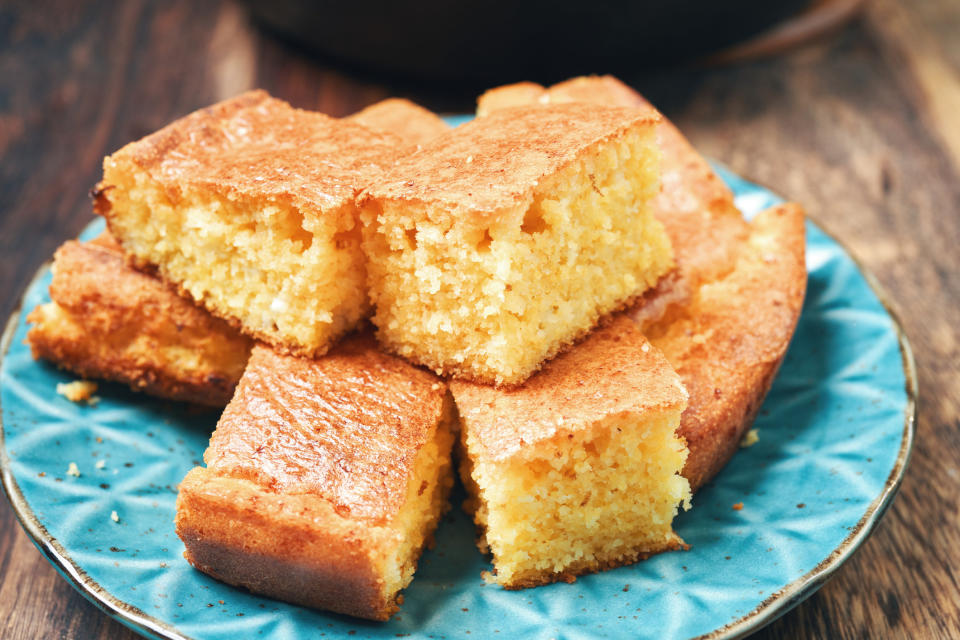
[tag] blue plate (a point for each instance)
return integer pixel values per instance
(835, 434)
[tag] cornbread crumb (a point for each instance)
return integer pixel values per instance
(485, 271)
(114, 516)
(77, 391)
(750, 438)
(100, 464)
(578, 469)
(73, 470)
(738, 506)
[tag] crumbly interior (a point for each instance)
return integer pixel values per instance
(426, 502)
(292, 278)
(590, 500)
(491, 302)
(189, 353)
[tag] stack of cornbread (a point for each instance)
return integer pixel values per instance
(562, 287)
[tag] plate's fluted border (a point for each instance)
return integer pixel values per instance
(766, 612)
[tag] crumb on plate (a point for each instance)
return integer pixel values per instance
(78, 391)
(749, 438)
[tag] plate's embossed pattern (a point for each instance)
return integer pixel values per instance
(834, 436)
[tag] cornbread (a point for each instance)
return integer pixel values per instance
(111, 322)
(324, 479)
(248, 208)
(496, 245)
(403, 118)
(578, 469)
(729, 341)
(694, 205)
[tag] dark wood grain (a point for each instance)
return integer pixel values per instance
(863, 128)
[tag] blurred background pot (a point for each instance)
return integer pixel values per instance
(506, 40)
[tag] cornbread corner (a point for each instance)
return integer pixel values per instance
(577, 470)
(498, 244)
(727, 343)
(694, 204)
(324, 480)
(406, 119)
(110, 322)
(248, 207)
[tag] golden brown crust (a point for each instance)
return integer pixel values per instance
(108, 321)
(493, 163)
(729, 341)
(269, 543)
(570, 575)
(406, 119)
(347, 427)
(256, 146)
(613, 371)
(694, 204)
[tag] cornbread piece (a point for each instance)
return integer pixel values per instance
(111, 322)
(694, 204)
(577, 470)
(499, 243)
(248, 207)
(514, 95)
(403, 118)
(728, 342)
(324, 479)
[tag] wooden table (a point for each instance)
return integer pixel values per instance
(862, 127)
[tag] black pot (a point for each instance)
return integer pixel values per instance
(506, 40)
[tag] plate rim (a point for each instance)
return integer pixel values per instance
(773, 607)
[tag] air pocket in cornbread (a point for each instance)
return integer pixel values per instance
(248, 207)
(499, 243)
(110, 322)
(578, 469)
(324, 479)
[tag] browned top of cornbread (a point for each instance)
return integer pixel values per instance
(496, 162)
(347, 426)
(110, 306)
(614, 370)
(403, 118)
(258, 146)
(694, 204)
(728, 342)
